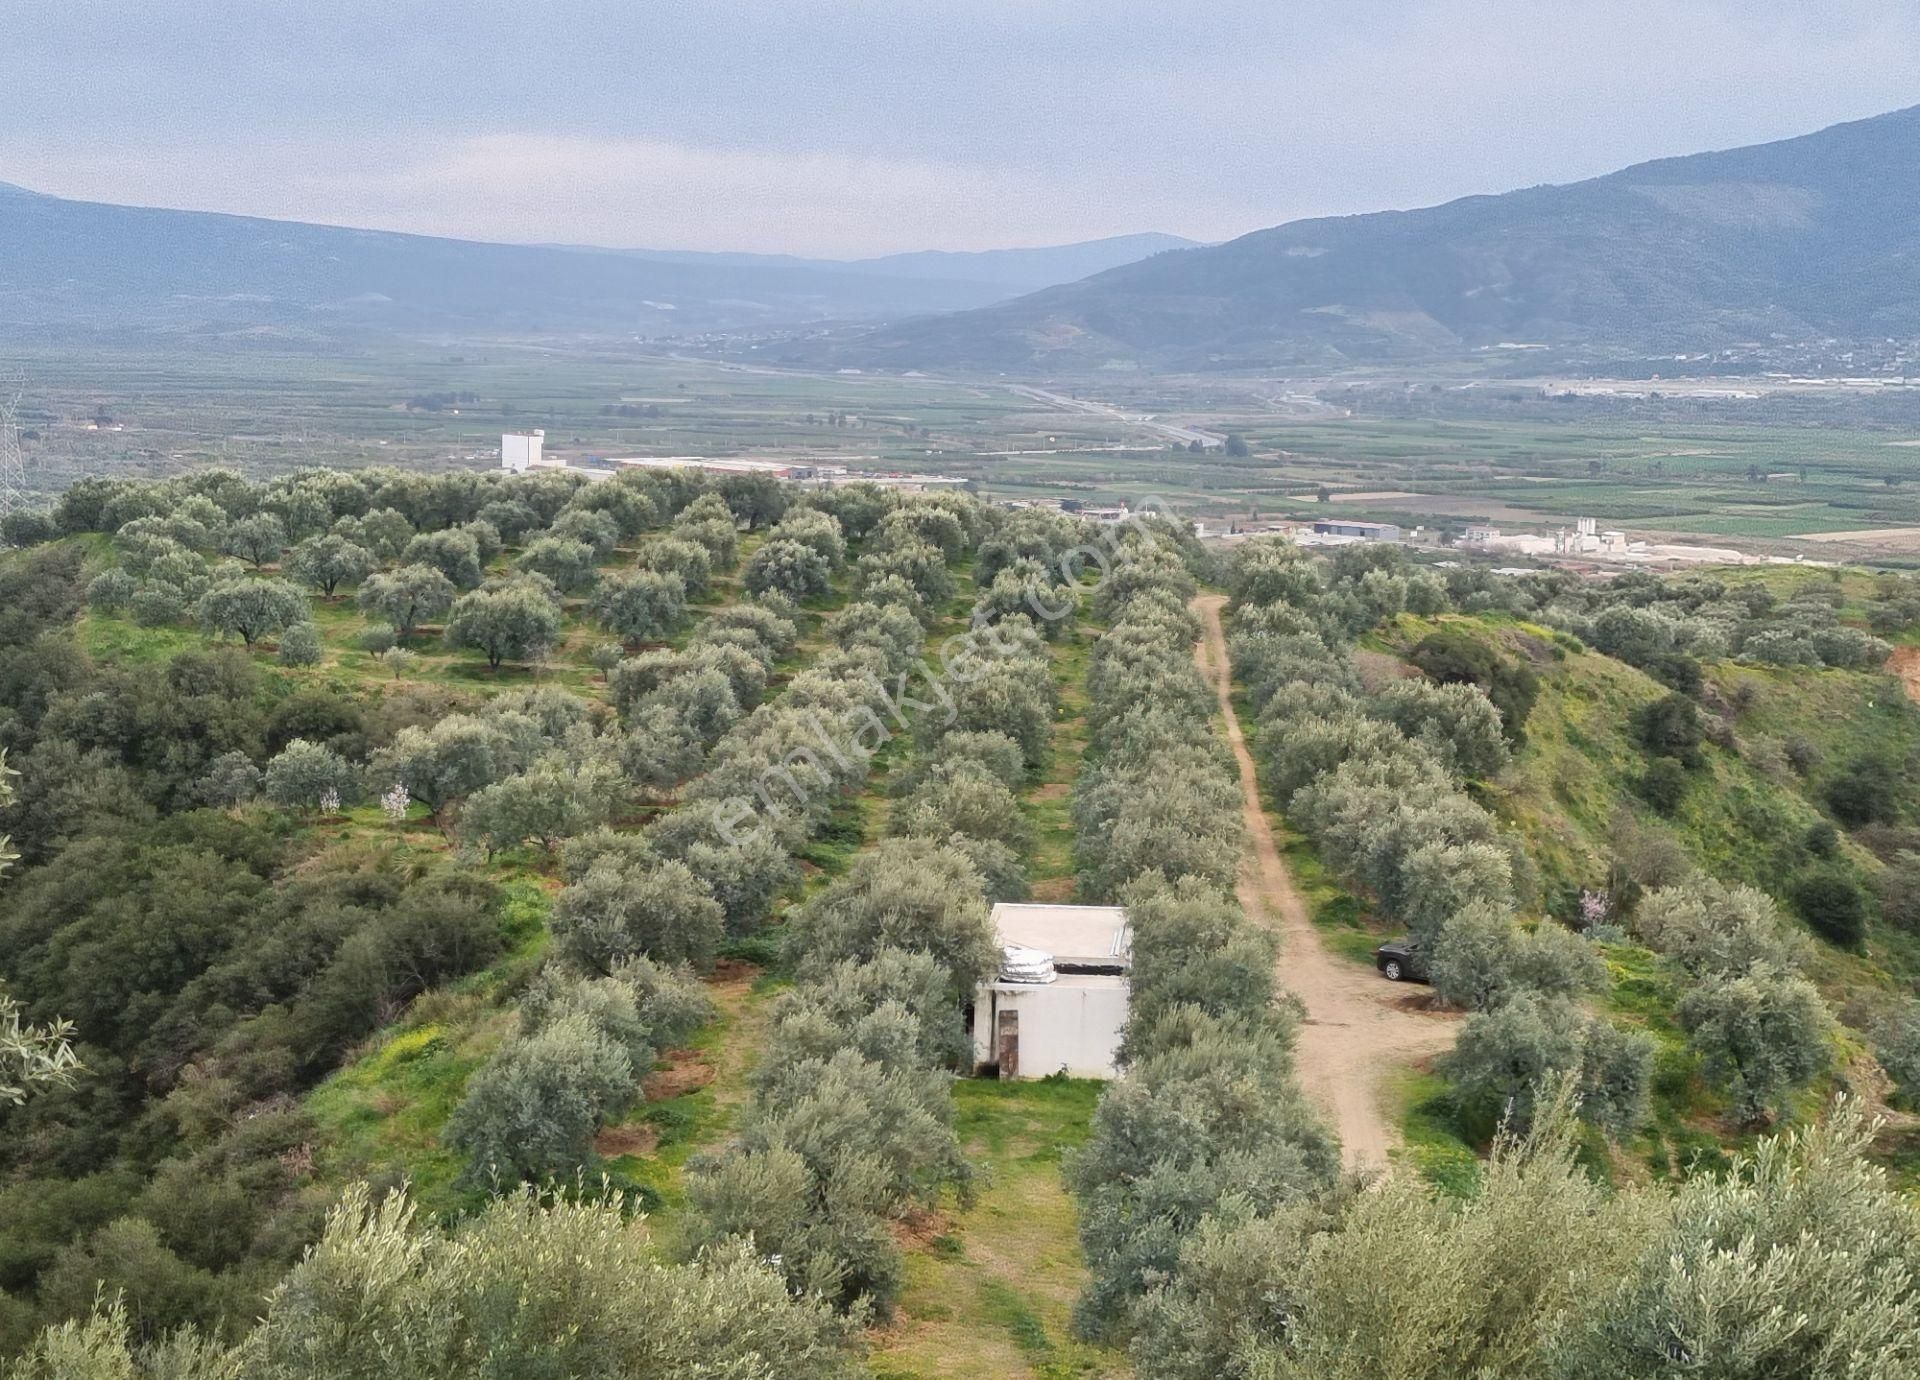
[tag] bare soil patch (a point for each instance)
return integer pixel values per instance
(635, 1138)
(1905, 663)
(686, 1072)
(1381, 669)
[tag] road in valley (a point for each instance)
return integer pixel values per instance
(1185, 435)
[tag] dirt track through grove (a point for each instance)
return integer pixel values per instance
(1359, 1027)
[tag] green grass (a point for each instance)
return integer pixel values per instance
(992, 1293)
(1571, 787)
(1432, 1144)
(1048, 804)
(125, 643)
(383, 1113)
(266, 412)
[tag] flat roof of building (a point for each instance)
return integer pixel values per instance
(735, 464)
(1060, 980)
(1075, 935)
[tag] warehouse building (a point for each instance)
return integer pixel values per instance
(1362, 531)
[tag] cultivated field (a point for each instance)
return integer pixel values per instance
(1849, 491)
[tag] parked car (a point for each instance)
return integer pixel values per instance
(1400, 960)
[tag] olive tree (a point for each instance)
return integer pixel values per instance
(1209, 1117)
(569, 564)
(514, 623)
(816, 529)
(1710, 930)
(305, 775)
(889, 628)
(407, 597)
(383, 531)
(616, 912)
(1762, 1035)
(675, 556)
(553, 801)
(300, 646)
(913, 894)
(256, 539)
(1799, 1260)
(532, 1112)
(631, 510)
(455, 555)
(230, 779)
(327, 562)
(1458, 722)
(826, 1234)
(641, 605)
(598, 531)
(251, 608)
(1192, 948)
(445, 761)
(900, 1117)
(963, 800)
(1504, 1057)
(1481, 957)
(660, 750)
(791, 568)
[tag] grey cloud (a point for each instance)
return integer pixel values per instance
(1070, 117)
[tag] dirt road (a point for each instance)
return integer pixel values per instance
(1359, 1027)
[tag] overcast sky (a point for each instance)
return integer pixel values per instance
(851, 127)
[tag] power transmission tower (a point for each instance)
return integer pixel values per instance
(13, 461)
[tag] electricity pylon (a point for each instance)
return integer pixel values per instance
(13, 462)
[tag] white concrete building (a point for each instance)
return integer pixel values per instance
(1059, 1002)
(520, 450)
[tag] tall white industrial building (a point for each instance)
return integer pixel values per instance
(520, 450)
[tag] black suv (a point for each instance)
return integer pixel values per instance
(1400, 960)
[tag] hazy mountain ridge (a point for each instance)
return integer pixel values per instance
(1025, 269)
(89, 268)
(1806, 237)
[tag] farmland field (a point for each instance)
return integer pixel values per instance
(267, 411)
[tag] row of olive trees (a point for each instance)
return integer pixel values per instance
(756, 779)
(418, 563)
(850, 1125)
(527, 1286)
(1802, 1260)
(635, 922)
(1158, 793)
(1377, 782)
(1207, 1117)
(641, 914)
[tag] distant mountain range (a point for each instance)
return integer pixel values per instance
(1808, 238)
(86, 269)
(1017, 270)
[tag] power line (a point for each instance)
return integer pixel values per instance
(14, 496)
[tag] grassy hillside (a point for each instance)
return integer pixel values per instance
(1747, 816)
